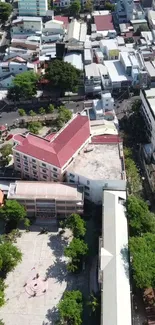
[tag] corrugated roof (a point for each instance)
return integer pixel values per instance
(116, 302)
(61, 148)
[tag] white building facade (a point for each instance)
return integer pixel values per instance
(33, 7)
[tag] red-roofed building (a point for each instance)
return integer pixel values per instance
(48, 158)
(104, 22)
(63, 19)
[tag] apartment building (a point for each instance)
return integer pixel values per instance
(124, 10)
(7, 68)
(148, 111)
(27, 25)
(32, 7)
(47, 159)
(48, 200)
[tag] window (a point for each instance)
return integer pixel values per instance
(18, 159)
(87, 188)
(26, 169)
(33, 160)
(34, 173)
(25, 157)
(88, 183)
(20, 69)
(71, 181)
(25, 163)
(45, 177)
(43, 164)
(44, 170)
(17, 153)
(55, 169)
(34, 167)
(18, 165)
(72, 175)
(55, 175)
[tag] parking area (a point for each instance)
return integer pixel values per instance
(42, 254)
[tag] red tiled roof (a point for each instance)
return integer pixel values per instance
(60, 149)
(105, 139)
(63, 19)
(104, 22)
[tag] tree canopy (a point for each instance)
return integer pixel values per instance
(141, 220)
(5, 11)
(12, 212)
(6, 150)
(75, 251)
(134, 182)
(62, 75)
(34, 127)
(76, 224)
(71, 307)
(142, 251)
(24, 86)
(89, 6)
(9, 257)
(75, 7)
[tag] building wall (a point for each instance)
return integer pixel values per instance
(14, 68)
(93, 189)
(6, 83)
(32, 8)
(149, 119)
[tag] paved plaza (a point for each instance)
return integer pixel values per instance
(43, 255)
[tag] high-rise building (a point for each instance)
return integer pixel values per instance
(124, 10)
(32, 7)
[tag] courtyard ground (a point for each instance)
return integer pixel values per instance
(42, 254)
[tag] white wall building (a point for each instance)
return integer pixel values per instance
(32, 7)
(102, 106)
(148, 110)
(16, 68)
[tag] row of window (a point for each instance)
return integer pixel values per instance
(34, 161)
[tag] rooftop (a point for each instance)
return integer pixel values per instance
(61, 148)
(63, 19)
(98, 161)
(114, 261)
(104, 22)
(44, 190)
(116, 71)
(75, 59)
(150, 69)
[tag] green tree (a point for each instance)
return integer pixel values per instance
(141, 220)
(21, 112)
(133, 177)
(62, 75)
(12, 212)
(142, 252)
(50, 108)
(10, 256)
(6, 150)
(24, 86)
(136, 105)
(5, 11)
(71, 307)
(75, 251)
(32, 113)
(75, 8)
(34, 127)
(2, 295)
(27, 223)
(109, 6)
(76, 224)
(42, 111)
(1, 322)
(94, 303)
(89, 6)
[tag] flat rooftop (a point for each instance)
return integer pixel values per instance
(44, 190)
(116, 71)
(98, 161)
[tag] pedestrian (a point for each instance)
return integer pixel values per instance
(37, 275)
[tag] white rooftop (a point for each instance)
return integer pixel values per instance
(44, 190)
(109, 43)
(150, 68)
(116, 302)
(116, 71)
(75, 59)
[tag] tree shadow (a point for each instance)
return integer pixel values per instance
(52, 316)
(57, 270)
(125, 257)
(57, 243)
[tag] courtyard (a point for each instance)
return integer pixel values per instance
(43, 257)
